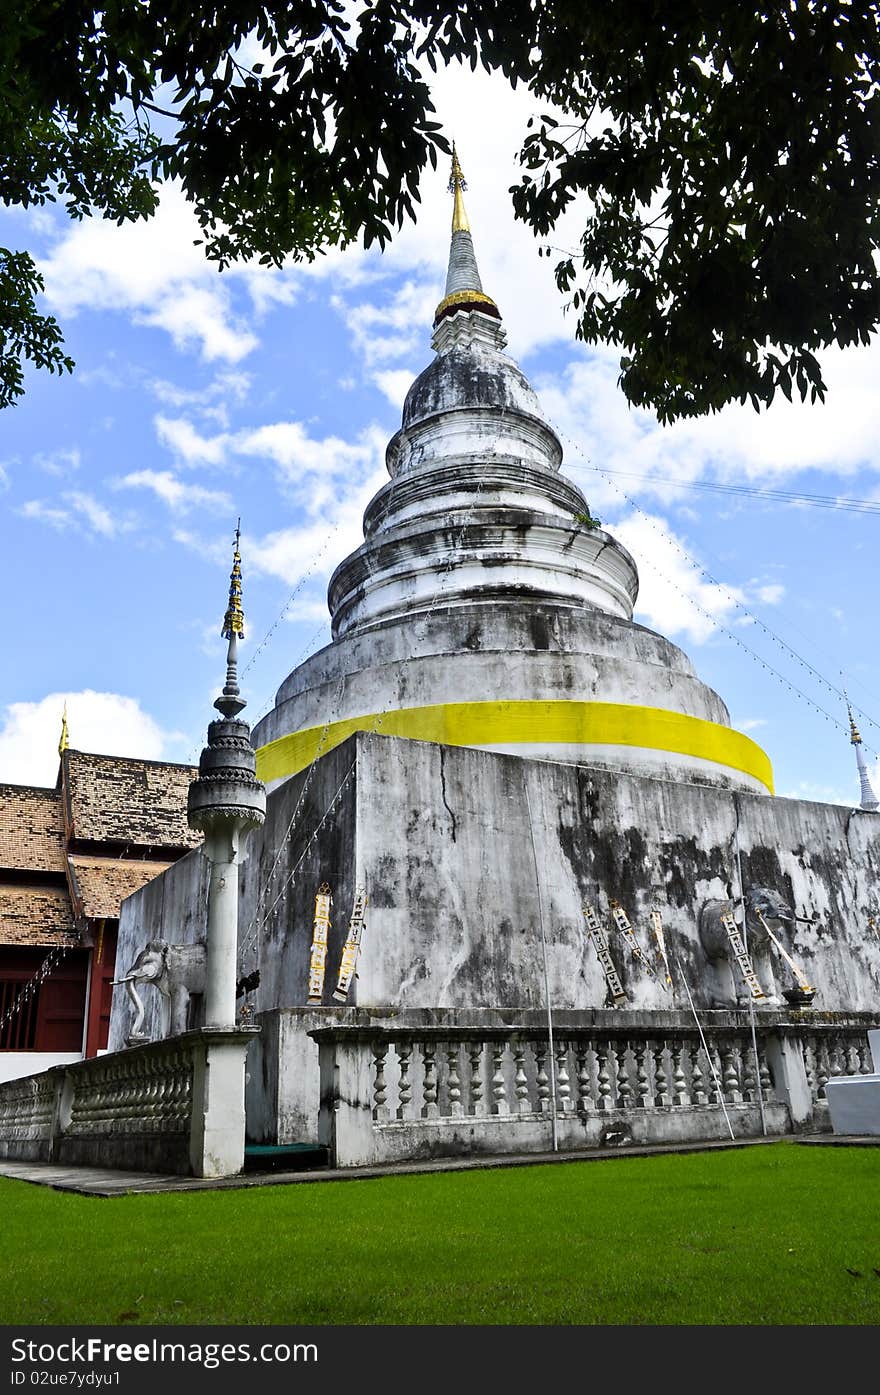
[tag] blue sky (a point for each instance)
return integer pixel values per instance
(199, 396)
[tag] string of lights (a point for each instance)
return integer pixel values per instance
(771, 634)
(48, 966)
(735, 600)
(787, 496)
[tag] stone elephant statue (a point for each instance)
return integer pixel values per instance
(177, 971)
(762, 904)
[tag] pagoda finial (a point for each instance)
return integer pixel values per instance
(230, 702)
(457, 183)
(64, 739)
(464, 289)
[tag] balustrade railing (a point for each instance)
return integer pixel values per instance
(455, 1074)
(138, 1093)
(27, 1108)
(160, 1107)
(832, 1052)
(452, 1085)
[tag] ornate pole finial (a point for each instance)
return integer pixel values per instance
(233, 620)
(64, 740)
(869, 800)
(457, 183)
(230, 702)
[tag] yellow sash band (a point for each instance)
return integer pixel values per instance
(536, 723)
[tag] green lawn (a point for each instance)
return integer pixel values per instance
(758, 1235)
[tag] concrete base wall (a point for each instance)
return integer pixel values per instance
(282, 1088)
(442, 840)
(422, 1141)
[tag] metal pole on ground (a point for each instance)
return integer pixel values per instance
(553, 1120)
(745, 936)
(708, 1055)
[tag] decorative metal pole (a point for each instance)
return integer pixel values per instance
(868, 799)
(554, 1124)
(225, 803)
(745, 939)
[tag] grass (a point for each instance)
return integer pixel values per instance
(764, 1235)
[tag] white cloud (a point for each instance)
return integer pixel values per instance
(395, 327)
(330, 479)
(771, 594)
(601, 433)
(47, 513)
(178, 496)
(200, 315)
(153, 271)
(319, 475)
(187, 445)
(103, 723)
(99, 518)
(75, 509)
(395, 383)
(215, 550)
(672, 596)
(59, 462)
(210, 402)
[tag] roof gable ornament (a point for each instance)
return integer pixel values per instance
(64, 739)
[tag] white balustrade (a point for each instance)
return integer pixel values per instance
(451, 1085)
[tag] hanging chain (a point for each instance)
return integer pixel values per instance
(48, 966)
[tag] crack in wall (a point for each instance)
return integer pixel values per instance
(443, 796)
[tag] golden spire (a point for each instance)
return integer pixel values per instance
(64, 740)
(456, 184)
(464, 289)
(233, 620)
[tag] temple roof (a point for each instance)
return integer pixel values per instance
(36, 915)
(50, 884)
(100, 884)
(118, 799)
(31, 829)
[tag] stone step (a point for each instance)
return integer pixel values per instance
(284, 1157)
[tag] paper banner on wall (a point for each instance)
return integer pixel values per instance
(800, 976)
(318, 959)
(660, 939)
(621, 920)
(741, 956)
(351, 948)
(599, 937)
